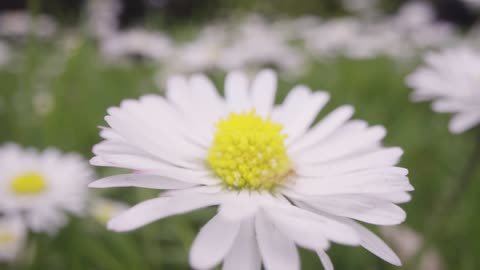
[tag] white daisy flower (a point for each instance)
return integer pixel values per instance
(19, 24)
(105, 209)
(278, 181)
(137, 42)
(102, 17)
(12, 237)
(43, 187)
(450, 78)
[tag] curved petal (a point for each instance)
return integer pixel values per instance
(277, 251)
(244, 253)
(236, 91)
(213, 242)
(158, 208)
(464, 121)
(325, 259)
(140, 180)
(264, 87)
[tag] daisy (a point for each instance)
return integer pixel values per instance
(42, 187)
(277, 180)
(450, 79)
(149, 45)
(17, 24)
(12, 237)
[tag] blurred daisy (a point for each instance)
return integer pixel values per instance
(20, 24)
(137, 43)
(277, 181)
(42, 187)
(258, 44)
(105, 209)
(102, 17)
(450, 79)
(12, 237)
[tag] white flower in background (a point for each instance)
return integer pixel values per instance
(21, 24)
(102, 17)
(43, 102)
(408, 242)
(137, 43)
(12, 237)
(451, 79)
(278, 181)
(362, 7)
(201, 54)
(258, 44)
(42, 187)
(105, 209)
(416, 22)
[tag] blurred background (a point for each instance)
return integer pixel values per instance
(63, 63)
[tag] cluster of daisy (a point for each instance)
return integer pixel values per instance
(286, 44)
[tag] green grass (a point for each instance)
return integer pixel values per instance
(83, 87)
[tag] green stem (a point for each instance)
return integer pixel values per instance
(447, 204)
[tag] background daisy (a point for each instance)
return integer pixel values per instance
(42, 187)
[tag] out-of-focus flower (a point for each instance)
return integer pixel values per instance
(258, 44)
(416, 22)
(408, 242)
(21, 24)
(105, 209)
(102, 17)
(12, 237)
(42, 186)
(137, 43)
(450, 79)
(362, 7)
(278, 181)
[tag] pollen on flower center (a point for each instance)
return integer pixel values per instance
(29, 183)
(249, 152)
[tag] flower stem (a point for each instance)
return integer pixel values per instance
(447, 204)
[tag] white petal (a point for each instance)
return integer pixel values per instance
(329, 228)
(380, 158)
(264, 87)
(244, 253)
(236, 91)
(238, 210)
(364, 208)
(374, 244)
(139, 180)
(464, 121)
(353, 184)
(301, 120)
(305, 232)
(325, 127)
(158, 208)
(291, 105)
(213, 242)
(325, 259)
(277, 251)
(341, 146)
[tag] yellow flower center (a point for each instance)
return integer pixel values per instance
(249, 152)
(28, 184)
(6, 238)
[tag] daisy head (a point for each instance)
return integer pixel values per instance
(12, 237)
(278, 179)
(42, 187)
(451, 79)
